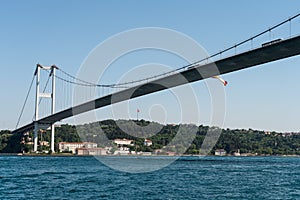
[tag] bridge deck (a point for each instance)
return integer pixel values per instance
(283, 49)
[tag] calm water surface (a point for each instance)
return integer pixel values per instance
(187, 178)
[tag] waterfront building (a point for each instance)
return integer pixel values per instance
(237, 153)
(72, 146)
(157, 151)
(171, 153)
(123, 146)
(220, 152)
(91, 151)
(122, 152)
(145, 153)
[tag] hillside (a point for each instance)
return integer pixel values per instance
(246, 141)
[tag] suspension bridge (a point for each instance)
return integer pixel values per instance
(268, 51)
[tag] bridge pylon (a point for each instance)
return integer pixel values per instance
(38, 96)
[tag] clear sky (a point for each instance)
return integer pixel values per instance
(64, 32)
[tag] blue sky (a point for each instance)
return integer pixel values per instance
(65, 32)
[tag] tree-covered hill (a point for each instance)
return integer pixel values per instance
(246, 141)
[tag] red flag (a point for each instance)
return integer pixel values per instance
(137, 110)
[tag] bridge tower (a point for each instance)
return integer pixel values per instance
(40, 95)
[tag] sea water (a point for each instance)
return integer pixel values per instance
(24, 177)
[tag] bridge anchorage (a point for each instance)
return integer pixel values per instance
(39, 95)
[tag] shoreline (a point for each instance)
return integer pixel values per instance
(132, 155)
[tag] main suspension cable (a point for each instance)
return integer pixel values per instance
(23, 107)
(89, 84)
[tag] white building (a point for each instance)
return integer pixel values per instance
(147, 142)
(220, 152)
(122, 152)
(91, 151)
(72, 146)
(121, 142)
(144, 153)
(237, 153)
